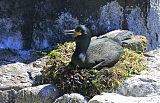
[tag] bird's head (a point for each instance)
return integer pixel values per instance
(79, 31)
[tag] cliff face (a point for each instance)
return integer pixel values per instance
(38, 24)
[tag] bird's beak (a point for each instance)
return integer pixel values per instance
(69, 32)
(72, 32)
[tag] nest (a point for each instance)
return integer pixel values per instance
(89, 82)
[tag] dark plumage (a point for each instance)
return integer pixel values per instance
(95, 53)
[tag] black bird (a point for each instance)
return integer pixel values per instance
(95, 53)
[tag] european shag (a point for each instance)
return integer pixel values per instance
(95, 53)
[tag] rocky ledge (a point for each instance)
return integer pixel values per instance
(20, 82)
(142, 88)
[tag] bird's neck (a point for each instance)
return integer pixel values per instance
(82, 45)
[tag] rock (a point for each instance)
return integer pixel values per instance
(120, 35)
(35, 75)
(136, 43)
(140, 86)
(19, 75)
(14, 76)
(71, 98)
(40, 94)
(117, 98)
(7, 96)
(128, 40)
(148, 82)
(8, 56)
(143, 88)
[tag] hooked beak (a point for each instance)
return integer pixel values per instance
(72, 32)
(69, 32)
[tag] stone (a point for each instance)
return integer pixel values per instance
(120, 35)
(40, 94)
(117, 98)
(14, 76)
(71, 98)
(128, 40)
(9, 56)
(8, 96)
(140, 86)
(148, 82)
(19, 75)
(136, 43)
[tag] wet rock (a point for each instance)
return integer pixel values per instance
(71, 98)
(40, 94)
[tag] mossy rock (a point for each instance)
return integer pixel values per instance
(128, 40)
(89, 82)
(136, 43)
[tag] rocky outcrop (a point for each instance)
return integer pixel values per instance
(143, 88)
(71, 98)
(18, 81)
(119, 35)
(147, 82)
(14, 76)
(136, 43)
(39, 24)
(8, 96)
(40, 94)
(19, 75)
(128, 40)
(117, 98)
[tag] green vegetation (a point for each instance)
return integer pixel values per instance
(137, 43)
(89, 82)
